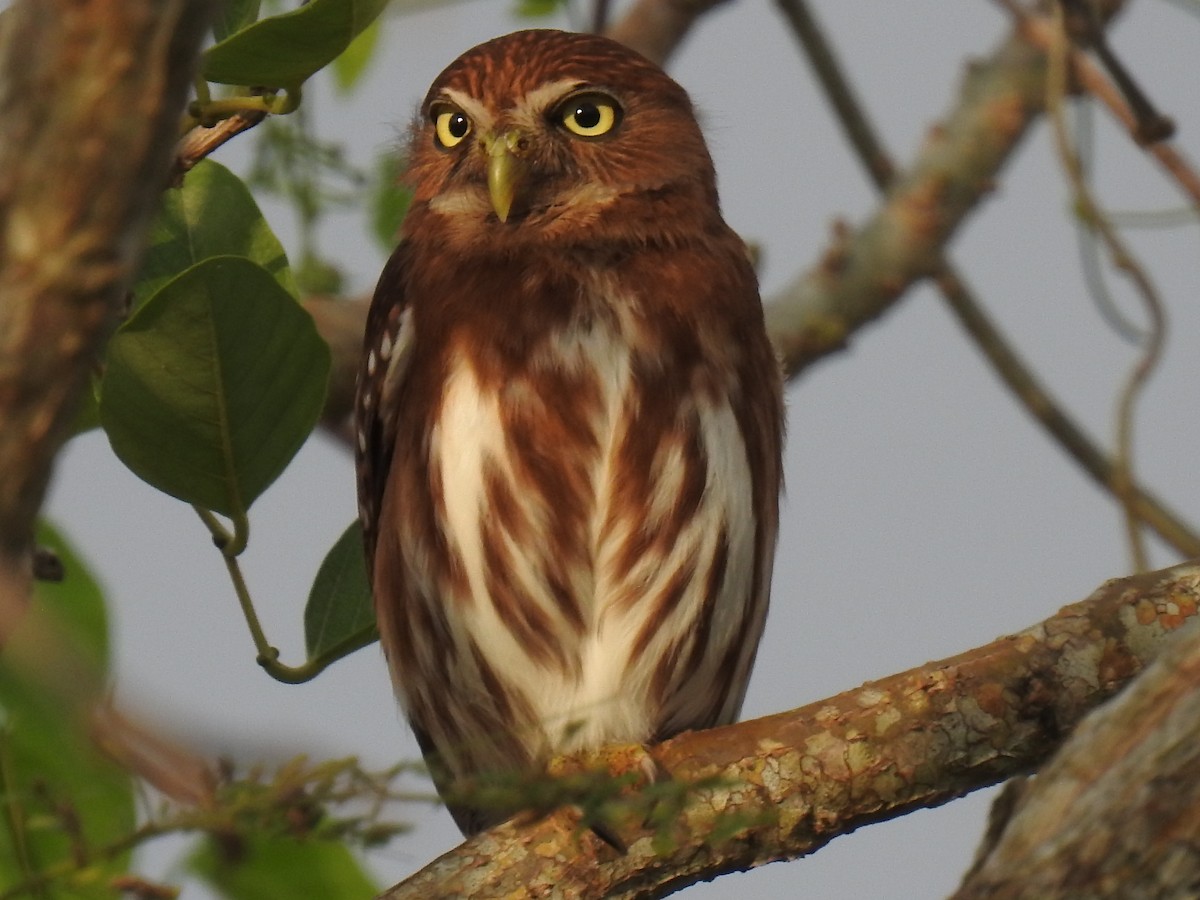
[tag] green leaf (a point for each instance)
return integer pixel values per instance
(233, 16)
(339, 610)
(77, 601)
(535, 9)
(258, 867)
(390, 200)
(284, 51)
(58, 796)
(317, 275)
(212, 386)
(352, 63)
(87, 416)
(212, 214)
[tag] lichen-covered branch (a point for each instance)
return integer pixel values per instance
(867, 271)
(1116, 813)
(793, 781)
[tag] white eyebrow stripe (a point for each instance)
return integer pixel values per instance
(540, 98)
(476, 111)
(527, 110)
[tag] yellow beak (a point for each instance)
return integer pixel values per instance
(506, 169)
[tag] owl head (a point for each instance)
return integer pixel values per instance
(547, 134)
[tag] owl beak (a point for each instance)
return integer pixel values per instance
(506, 169)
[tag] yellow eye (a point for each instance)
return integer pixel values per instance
(590, 115)
(450, 125)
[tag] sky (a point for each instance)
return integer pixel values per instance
(925, 513)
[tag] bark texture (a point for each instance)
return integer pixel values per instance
(1116, 813)
(790, 783)
(91, 93)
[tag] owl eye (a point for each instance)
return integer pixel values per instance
(450, 125)
(590, 115)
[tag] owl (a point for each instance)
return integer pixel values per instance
(569, 418)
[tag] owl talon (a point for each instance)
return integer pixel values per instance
(617, 819)
(609, 836)
(618, 760)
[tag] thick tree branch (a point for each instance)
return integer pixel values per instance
(91, 92)
(1116, 813)
(794, 781)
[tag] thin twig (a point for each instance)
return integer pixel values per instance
(1123, 259)
(841, 95)
(1091, 259)
(1039, 32)
(1151, 510)
(202, 140)
(231, 545)
(1005, 361)
(600, 13)
(1151, 125)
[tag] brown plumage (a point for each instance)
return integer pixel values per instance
(569, 417)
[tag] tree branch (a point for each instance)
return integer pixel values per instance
(203, 140)
(90, 97)
(91, 93)
(1116, 813)
(1005, 361)
(1039, 31)
(656, 28)
(862, 276)
(794, 781)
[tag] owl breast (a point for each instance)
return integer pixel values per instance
(594, 550)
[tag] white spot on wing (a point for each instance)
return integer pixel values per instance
(397, 356)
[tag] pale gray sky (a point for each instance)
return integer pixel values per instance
(925, 514)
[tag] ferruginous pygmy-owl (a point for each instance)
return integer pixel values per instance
(569, 418)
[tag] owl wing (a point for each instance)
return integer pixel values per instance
(387, 354)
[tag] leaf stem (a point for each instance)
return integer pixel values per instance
(311, 668)
(231, 546)
(206, 111)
